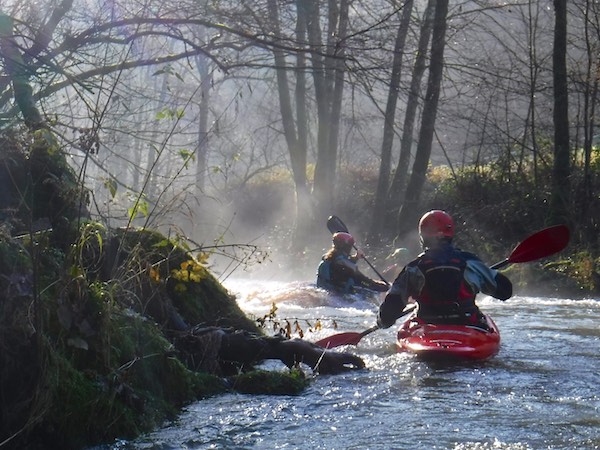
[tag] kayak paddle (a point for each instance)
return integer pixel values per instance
(350, 338)
(539, 245)
(335, 225)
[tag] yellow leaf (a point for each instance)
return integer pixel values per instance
(154, 275)
(202, 257)
(288, 329)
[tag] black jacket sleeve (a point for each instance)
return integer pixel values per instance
(391, 308)
(504, 291)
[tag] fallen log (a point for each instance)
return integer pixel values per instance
(224, 352)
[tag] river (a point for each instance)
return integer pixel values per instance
(542, 391)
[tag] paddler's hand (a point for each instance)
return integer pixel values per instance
(359, 254)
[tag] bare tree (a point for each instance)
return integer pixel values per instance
(410, 209)
(589, 82)
(295, 131)
(396, 190)
(381, 194)
(328, 75)
(562, 155)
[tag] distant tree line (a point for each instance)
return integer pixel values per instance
(179, 105)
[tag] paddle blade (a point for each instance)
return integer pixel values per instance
(541, 244)
(337, 340)
(335, 225)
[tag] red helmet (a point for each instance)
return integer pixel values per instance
(343, 240)
(436, 224)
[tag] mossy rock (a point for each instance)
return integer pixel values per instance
(162, 269)
(102, 366)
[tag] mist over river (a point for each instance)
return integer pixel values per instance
(542, 391)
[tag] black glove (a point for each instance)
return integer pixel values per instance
(381, 324)
(504, 289)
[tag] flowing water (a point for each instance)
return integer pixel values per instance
(542, 391)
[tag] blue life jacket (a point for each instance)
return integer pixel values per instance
(326, 279)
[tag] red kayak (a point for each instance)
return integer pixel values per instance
(443, 342)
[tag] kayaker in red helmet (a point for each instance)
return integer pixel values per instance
(443, 280)
(338, 270)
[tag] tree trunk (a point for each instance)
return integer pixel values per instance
(381, 194)
(591, 94)
(337, 78)
(224, 351)
(296, 139)
(322, 188)
(396, 193)
(298, 157)
(328, 76)
(18, 73)
(202, 64)
(410, 210)
(561, 170)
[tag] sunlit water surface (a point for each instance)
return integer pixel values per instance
(542, 391)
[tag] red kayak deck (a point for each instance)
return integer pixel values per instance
(435, 341)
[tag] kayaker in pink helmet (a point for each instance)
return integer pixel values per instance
(338, 270)
(442, 280)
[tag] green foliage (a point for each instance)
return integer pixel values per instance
(112, 361)
(168, 69)
(481, 197)
(170, 114)
(581, 267)
(187, 156)
(90, 405)
(143, 357)
(139, 209)
(111, 185)
(203, 302)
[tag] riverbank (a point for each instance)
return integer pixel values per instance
(100, 329)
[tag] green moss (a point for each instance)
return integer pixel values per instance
(85, 409)
(147, 384)
(270, 383)
(209, 302)
(206, 385)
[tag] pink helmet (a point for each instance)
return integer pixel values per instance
(436, 224)
(343, 240)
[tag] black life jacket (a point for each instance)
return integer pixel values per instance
(445, 291)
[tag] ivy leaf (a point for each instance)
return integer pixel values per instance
(187, 156)
(112, 186)
(140, 209)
